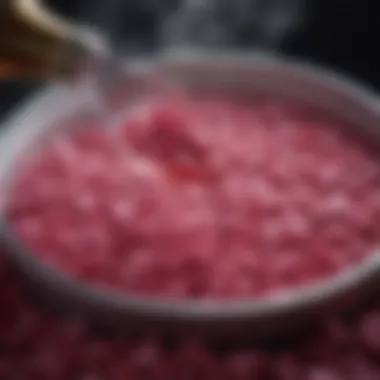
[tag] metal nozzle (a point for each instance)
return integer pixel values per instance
(36, 42)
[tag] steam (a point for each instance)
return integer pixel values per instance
(257, 23)
(263, 24)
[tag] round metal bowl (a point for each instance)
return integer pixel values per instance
(255, 75)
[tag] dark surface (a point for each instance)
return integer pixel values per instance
(336, 33)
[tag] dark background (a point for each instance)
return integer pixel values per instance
(338, 33)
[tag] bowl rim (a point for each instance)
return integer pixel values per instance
(272, 305)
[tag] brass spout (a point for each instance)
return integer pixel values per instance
(34, 42)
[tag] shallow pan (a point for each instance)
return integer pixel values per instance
(254, 75)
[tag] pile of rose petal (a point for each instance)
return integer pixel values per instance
(219, 197)
(34, 345)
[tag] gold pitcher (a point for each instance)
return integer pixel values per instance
(35, 42)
